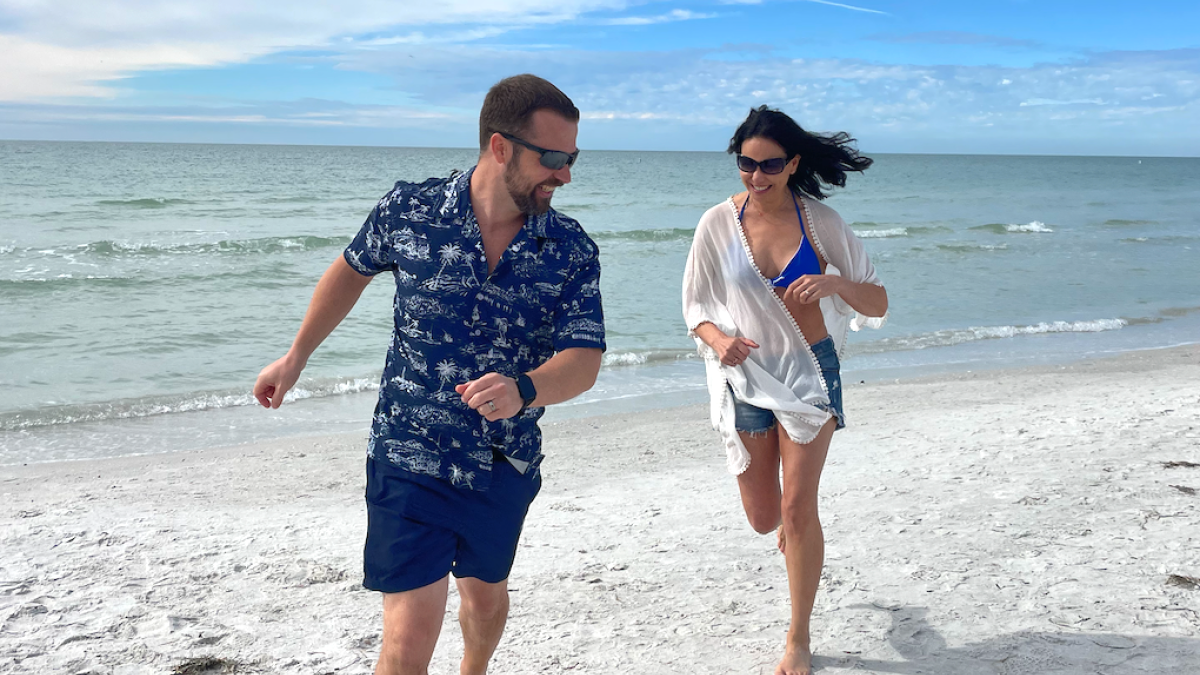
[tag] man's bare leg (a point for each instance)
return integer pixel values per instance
(803, 541)
(482, 616)
(412, 621)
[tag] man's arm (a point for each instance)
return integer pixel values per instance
(334, 297)
(564, 376)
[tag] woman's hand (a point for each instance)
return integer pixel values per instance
(811, 288)
(866, 299)
(730, 350)
(733, 350)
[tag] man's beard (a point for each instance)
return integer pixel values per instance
(525, 197)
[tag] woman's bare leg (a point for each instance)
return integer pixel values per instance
(759, 483)
(804, 552)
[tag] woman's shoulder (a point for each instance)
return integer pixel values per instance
(719, 211)
(824, 216)
(820, 208)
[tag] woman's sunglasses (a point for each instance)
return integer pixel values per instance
(551, 159)
(769, 166)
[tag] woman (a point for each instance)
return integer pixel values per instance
(773, 281)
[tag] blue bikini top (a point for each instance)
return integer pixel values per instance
(804, 262)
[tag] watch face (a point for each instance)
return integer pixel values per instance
(526, 389)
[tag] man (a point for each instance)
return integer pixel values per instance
(497, 314)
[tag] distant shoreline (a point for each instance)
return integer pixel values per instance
(634, 150)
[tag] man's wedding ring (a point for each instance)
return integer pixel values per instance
(491, 406)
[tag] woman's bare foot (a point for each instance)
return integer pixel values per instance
(782, 543)
(796, 661)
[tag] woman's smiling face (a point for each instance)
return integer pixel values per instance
(760, 183)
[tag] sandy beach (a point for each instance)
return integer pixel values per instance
(1043, 520)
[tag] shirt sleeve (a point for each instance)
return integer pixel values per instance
(371, 252)
(705, 293)
(579, 321)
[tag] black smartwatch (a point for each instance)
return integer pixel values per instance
(527, 391)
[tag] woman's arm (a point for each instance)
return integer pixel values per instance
(865, 298)
(856, 282)
(730, 350)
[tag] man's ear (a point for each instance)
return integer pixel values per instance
(500, 149)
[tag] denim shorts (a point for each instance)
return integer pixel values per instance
(751, 419)
(419, 528)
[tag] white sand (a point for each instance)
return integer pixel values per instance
(1013, 522)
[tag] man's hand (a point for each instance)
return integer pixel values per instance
(494, 396)
(275, 380)
(335, 295)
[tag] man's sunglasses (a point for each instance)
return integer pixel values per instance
(551, 159)
(769, 166)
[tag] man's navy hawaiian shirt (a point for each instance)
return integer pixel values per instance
(454, 323)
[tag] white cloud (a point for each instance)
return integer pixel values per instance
(76, 47)
(1142, 96)
(84, 51)
(419, 38)
(669, 17)
(278, 115)
(818, 2)
(1048, 101)
(34, 70)
(838, 4)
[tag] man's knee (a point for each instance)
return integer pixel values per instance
(412, 621)
(407, 647)
(483, 601)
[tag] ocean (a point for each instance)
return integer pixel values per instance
(143, 286)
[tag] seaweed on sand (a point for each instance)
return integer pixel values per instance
(206, 664)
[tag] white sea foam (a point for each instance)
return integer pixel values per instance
(968, 248)
(946, 338)
(354, 386)
(882, 234)
(1095, 326)
(150, 407)
(624, 359)
(641, 358)
(112, 247)
(1033, 226)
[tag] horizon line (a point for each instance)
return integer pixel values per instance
(585, 150)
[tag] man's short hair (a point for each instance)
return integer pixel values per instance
(510, 103)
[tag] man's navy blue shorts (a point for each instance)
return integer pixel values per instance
(419, 528)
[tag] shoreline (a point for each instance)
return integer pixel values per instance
(654, 387)
(986, 521)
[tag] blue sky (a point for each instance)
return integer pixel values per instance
(971, 76)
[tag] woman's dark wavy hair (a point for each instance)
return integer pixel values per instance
(823, 159)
